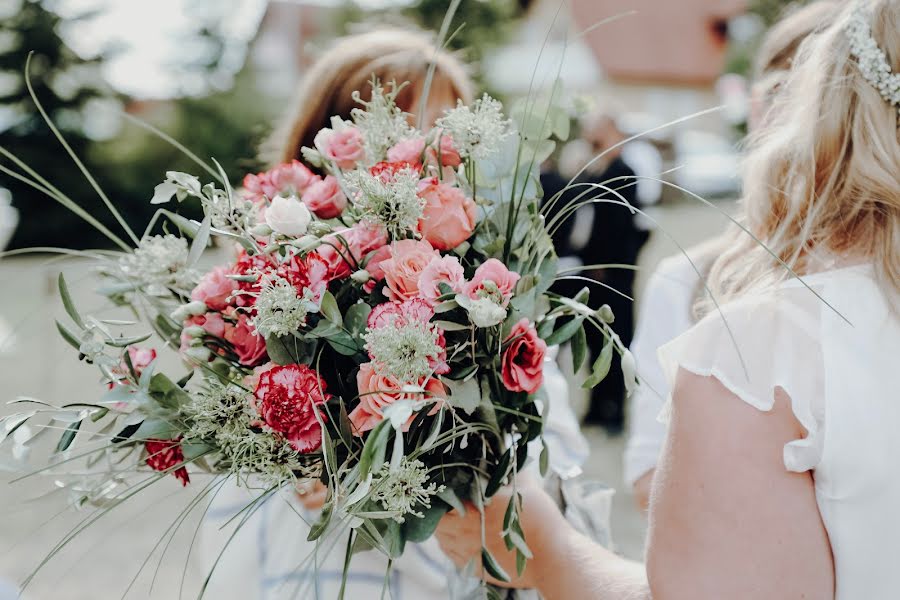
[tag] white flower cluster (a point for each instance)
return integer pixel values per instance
(221, 416)
(279, 310)
(158, 263)
(401, 490)
(477, 131)
(404, 352)
(871, 60)
(391, 201)
(381, 121)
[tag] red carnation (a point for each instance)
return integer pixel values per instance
(286, 398)
(386, 171)
(163, 455)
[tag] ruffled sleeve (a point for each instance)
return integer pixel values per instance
(755, 346)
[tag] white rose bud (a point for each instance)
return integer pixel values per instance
(261, 230)
(196, 308)
(194, 331)
(361, 276)
(288, 216)
(483, 312)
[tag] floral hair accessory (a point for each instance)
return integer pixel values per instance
(871, 60)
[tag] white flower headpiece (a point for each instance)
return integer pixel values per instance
(871, 59)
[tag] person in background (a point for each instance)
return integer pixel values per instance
(270, 558)
(599, 233)
(666, 309)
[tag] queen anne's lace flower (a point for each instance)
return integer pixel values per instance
(391, 200)
(403, 343)
(403, 489)
(160, 262)
(279, 310)
(871, 60)
(477, 131)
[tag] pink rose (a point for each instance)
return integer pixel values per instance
(286, 399)
(325, 198)
(492, 280)
(448, 218)
(342, 258)
(374, 267)
(377, 391)
(448, 154)
(445, 269)
(523, 360)
(344, 147)
(403, 268)
(249, 346)
(291, 178)
(409, 151)
(215, 288)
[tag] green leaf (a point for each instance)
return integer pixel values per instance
(419, 529)
(200, 241)
(464, 395)
(321, 524)
(451, 498)
(562, 335)
(12, 422)
(499, 474)
(195, 450)
(68, 436)
(343, 343)
(601, 366)
(67, 301)
(579, 349)
(68, 336)
(446, 306)
(491, 566)
(166, 393)
(356, 318)
(280, 349)
(377, 440)
(125, 342)
(156, 429)
(329, 309)
(544, 461)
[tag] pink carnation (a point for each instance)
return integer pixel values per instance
(445, 269)
(410, 151)
(402, 270)
(522, 365)
(215, 288)
(325, 198)
(493, 271)
(286, 399)
(377, 391)
(291, 179)
(448, 218)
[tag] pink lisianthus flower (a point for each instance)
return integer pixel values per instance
(492, 280)
(448, 218)
(402, 270)
(325, 198)
(249, 346)
(343, 258)
(444, 269)
(343, 146)
(215, 289)
(376, 391)
(165, 455)
(286, 398)
(523, 360)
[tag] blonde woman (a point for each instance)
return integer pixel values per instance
(778, 478)
(270, 557)
(667, 305)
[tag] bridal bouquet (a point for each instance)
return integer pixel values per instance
(380, 327)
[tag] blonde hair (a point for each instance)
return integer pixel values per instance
(349, 65)
(821, 180)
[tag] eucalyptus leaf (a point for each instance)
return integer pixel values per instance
(464, 394)
(601, 366)
(68, 336)
(579, 349)
(279, 349)
(67, 301)
(356, 318)
(321, 524)
(329, 309)
(68, 436)
(564, 333)
(491, 567)
(201, 240)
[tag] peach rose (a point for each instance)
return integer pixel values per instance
(402, 270)
(445, 269)
(249, 346)
(410, 151)
(325, 198)
(343, 146)
(522, 365)
(360, 239)
(448, 218)
(377, 391)
(492, 280)
(215, 288)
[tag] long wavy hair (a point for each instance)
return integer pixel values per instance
(347, 66)
(822, 178)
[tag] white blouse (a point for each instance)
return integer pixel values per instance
(840, 364)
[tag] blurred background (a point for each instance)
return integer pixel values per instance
(217, 74)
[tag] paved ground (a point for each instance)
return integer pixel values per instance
(99, 565)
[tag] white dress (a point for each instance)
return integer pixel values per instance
(843, 378)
